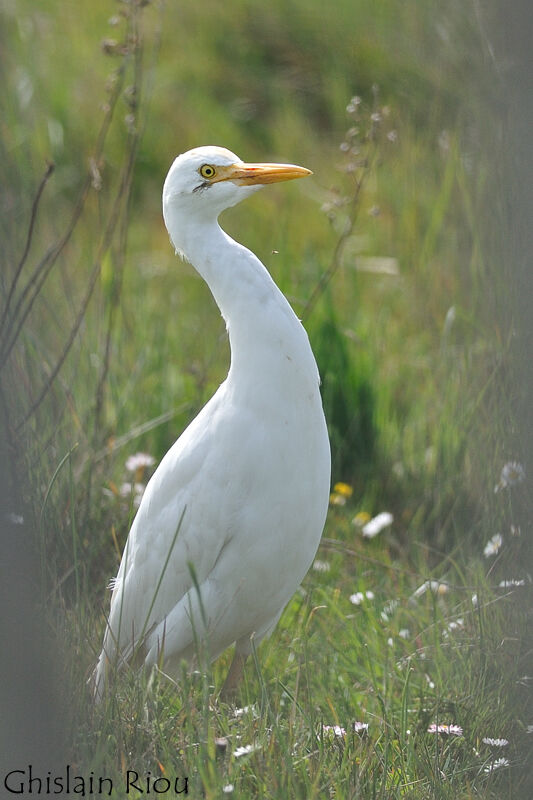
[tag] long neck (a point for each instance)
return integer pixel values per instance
(268, 343)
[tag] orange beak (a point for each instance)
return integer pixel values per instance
(252, 174)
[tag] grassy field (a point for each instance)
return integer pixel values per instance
(402, 666)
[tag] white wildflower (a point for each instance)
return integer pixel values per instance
(228, 788)
(454, 625)
(511, 474)
(404, 633)
(449, 730)
(510, 583)
(334, 731)
(495, 742)
(139, 461)
(437, 587)
(127, 488)
(493, 546)
(377, 524)
(321, 566)
(353, 105)
(360, 727)
(245, 750)
(357, 598)
(240, 712)
(500, 762)
(135, 489)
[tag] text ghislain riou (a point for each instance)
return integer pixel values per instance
(29, 782)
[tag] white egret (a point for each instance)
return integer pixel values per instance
(231, 519)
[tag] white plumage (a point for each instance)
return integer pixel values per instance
(240, 499)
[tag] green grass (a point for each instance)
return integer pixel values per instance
(122, 344)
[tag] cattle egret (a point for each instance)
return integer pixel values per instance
(230, 522)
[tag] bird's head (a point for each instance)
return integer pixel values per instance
(203, 182)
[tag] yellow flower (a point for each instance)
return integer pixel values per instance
(344, 489)
(361, 518)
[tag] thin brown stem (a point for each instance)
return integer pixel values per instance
(336, 259)
(35, 282)
(33, 216)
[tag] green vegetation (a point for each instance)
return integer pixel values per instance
(109, 345)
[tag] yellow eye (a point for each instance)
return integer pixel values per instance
(207, 171)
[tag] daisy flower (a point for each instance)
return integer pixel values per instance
(510, 583)
(240, 712)
(493, 546)
(139, 461)
(357, 598)
(511, 474)
(500, 762)
(449, 730)
(137, 489)
(494, 742)
(454, 625)
(334, 731)
(244, 750)
(321, 566)
(360, 727)
(377, 524)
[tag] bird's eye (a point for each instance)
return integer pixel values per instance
(207, 171)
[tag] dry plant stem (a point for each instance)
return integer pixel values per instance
(125, 190)
(41, 272)
(336, 259)
(104, 247)
(36, 281)
(138, 79)
(33, 216)
(124, 198)
(121, 208)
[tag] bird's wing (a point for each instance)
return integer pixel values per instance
(172, 530)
